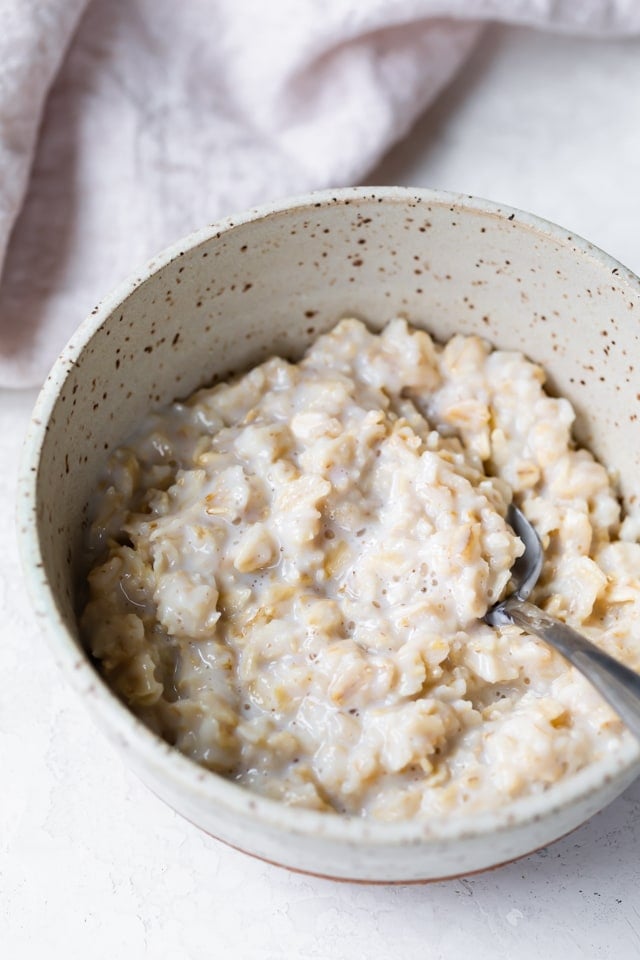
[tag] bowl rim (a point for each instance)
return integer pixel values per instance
(159, 758)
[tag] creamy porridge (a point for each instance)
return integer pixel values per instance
(290, 572)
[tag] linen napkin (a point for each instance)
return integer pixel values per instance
(125, 124)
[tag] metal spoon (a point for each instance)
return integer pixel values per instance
(619, 685)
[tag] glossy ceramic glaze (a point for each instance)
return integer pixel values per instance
(268, 282)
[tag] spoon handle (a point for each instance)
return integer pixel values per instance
(619, 685)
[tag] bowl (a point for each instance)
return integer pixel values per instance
(268, 282)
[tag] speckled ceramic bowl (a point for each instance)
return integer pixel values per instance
(268, 282)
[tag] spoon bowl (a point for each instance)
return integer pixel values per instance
(619, 685)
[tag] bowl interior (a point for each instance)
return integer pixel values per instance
(270, 282)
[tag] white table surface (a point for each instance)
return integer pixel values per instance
(93, 865)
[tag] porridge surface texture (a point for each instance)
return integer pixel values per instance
(289, 573)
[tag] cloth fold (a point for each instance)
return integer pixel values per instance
(162, 117)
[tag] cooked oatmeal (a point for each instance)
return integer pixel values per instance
(290, 572)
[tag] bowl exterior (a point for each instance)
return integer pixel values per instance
(269, 282)
(278, 835)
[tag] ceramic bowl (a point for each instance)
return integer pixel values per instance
(268, 282)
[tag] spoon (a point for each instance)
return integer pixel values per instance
(619, 685)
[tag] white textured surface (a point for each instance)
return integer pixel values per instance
(92, 864)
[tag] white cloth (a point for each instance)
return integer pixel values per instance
(165, 116)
